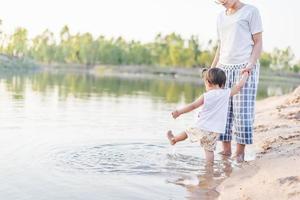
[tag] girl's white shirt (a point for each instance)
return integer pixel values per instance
(213, 115)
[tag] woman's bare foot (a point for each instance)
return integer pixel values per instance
(171, 138)
(239, 158)
(223, 153)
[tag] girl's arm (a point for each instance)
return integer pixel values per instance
(237, 88)
(256, 51)
(217, 56)
(192, 106)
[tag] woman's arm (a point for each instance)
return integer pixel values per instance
(256, 51)
(189, 107)
(217, 56)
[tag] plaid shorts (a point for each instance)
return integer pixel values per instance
(241, 106)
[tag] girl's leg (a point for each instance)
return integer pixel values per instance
(209, 155)
(174, 139)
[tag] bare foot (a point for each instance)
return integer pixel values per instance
(171, 137)
(239, 158)
(223, 153)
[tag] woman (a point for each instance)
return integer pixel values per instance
(239, 48)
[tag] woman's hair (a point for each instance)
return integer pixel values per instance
(214, 76)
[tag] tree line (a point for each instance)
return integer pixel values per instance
(169, 50)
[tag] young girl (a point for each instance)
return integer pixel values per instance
(212, 118)
(240, 43)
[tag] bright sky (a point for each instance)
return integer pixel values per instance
(143, 19)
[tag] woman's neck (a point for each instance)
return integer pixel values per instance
(235, 7)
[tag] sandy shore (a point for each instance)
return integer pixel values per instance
(275, 174)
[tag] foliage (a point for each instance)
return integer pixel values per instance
(165, 51)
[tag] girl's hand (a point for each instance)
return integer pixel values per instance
(248, 68)
(175, 114)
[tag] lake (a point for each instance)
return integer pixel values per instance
(78, 136)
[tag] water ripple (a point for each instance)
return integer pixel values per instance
(129, 158)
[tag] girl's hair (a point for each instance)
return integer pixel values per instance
(214, 76)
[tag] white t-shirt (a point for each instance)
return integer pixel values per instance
(213, 115)
(235, 34)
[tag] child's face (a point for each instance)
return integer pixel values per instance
(207, 85)
(206, 82)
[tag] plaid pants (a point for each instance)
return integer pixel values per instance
(241, 106)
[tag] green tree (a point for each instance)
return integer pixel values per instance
(18, 43)
(281, 59)
(43, 47)
(265, 59)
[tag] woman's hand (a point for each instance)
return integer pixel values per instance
(248, 68)
(175, 114)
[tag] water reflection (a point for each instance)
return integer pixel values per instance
(204, 183)
(78, 136)
(85, 85)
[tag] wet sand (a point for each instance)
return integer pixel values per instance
(275, 174)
